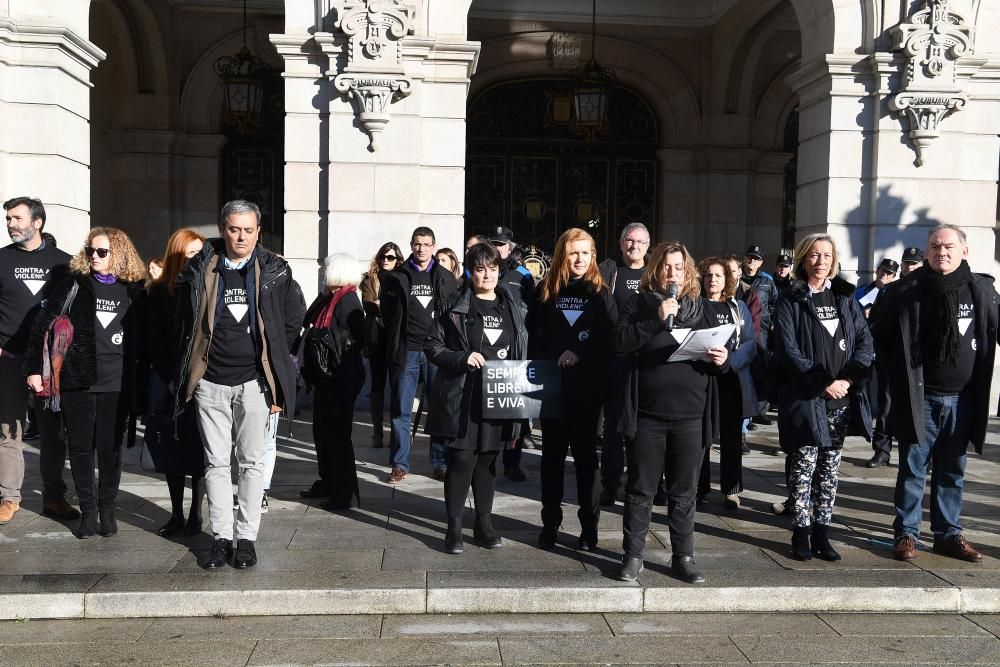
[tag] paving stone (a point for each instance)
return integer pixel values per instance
(423, 651)
(718, 625)
(853, 558)
(903, 625)
(508, 558)
(494, 625)
(620, 650)
(261, 627)
(523, 592)
(74, 631)
(286, 560)
(221, 653)
(68, 562)
(872, 650)
(990, 622)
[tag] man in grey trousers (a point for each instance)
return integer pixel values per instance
(240, 312)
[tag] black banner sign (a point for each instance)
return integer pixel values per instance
(521, 389)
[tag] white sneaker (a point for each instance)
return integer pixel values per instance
(732, 502)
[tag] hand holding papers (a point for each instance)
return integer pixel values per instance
(695, 345)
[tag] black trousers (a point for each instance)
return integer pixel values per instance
(467, 468)
(881, 409)
(730, 442)
(559, 437)
(93, 424)
(675, 448)
(52, 451)
(333, 421)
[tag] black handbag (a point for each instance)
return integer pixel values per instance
(323, 353)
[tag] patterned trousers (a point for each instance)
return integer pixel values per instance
(814, 473)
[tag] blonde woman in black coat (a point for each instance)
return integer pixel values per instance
(481, 323)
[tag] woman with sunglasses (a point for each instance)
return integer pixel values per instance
(386, 259)
(98, 383)
(187, 458)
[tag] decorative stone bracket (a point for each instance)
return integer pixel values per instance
(933, 39)
(374, 77)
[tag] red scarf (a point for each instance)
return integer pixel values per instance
(325, 317)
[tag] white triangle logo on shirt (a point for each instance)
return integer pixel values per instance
(572, 316)
(493, 335)
(34, 285)
(425, 300)
(831, 326)
(963, 324)
(239, 310)
(106, 318)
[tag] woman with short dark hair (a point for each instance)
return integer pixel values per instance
(482, 323)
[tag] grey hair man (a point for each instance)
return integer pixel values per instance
(240, 312)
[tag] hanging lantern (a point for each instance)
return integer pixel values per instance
(242, 78)
(590, 99)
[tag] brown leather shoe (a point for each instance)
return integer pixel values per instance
(397, 475)
(7, 510)
(958, 547)
(58, 508)
(905, 548)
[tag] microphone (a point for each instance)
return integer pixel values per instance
(672, 291)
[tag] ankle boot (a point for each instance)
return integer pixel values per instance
(484, 533)
(109, 525)
(453, 538)
(800, 543)
(821, 547)
(375, 406)
(686, 569)
(88, 525)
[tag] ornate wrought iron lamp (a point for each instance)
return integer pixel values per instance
(242, 78)
(590, 99)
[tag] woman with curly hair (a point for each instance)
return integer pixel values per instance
(97, 385)
(187, 457)
(667, 405)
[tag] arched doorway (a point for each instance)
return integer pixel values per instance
(532, 167)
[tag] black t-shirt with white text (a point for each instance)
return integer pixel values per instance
(835, 354)
(23, 275)
(497, 329)
(627, 284)
(947, 379)
(232, 356)
(419, 307)
(675, 390)
(110, 305)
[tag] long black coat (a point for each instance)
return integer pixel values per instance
(800, 352)
(448, 348)
(896, 322)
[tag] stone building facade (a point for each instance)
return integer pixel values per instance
(730, 122)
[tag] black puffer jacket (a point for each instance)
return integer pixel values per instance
(800, 354)
(279, 306)
(448, 348)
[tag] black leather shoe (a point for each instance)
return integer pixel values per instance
(222, 549)
(246, 555)
(109, 525)
(587, 541)
(193, 526)
(685, 569)
(58, 508)
(631, 569)
(172, 527)
(317, 490)
(453, 537)
(547, 538)
(485, 535)
(878, 460)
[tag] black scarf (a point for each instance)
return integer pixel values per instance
(939, 313)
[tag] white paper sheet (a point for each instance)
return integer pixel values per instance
(697, 343)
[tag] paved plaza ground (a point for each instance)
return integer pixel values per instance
(387, 557)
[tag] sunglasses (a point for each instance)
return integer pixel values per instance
(391, 258)
(101, 252)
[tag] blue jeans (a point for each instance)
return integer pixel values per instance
(947, 421)
(403, 386)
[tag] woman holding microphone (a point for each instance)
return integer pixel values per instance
(571, 322)
(823, 350)
(482, 323)
(666, 405)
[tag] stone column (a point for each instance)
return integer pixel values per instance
(375, 127)
(45, 64)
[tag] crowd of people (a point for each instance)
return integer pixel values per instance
(208, 344)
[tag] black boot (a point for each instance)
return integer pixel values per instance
(375, 400)
(484, 533)
(547, 538)
(686, 570)
(821, 547)
(88, 525)
(453, 538)
(631, 568)
(109, 525)
(800, 543)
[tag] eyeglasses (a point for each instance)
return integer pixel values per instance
(101, 252)
(389, 258)
(636, 242)
(416, 245)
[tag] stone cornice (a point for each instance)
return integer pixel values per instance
(23, 36)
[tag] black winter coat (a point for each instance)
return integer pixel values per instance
(349, 314)
(448, 348)
(800, 354)
(394, 300)
(279, 305)
(896, 321)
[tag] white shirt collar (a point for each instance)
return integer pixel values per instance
(826, 286)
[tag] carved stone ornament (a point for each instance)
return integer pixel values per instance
(564, 50)
(374, 76)
(933, 39)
